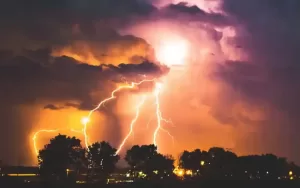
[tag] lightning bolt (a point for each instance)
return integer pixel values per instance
(159, 116)
(85, 123)
(172, 137)
(36, 135)
(138, 108)
(86, 119)
(77, 131)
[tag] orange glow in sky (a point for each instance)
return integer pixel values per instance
(182, 107)
(189, 97)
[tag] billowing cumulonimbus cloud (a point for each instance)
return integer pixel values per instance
(52, 107)
(37, 77)
(263, 72)
(31, 27)
(268, 32)
(41, 79)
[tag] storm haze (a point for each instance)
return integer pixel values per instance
(236, 85)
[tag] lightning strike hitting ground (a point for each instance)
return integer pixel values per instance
(138, 108)
(36, 135)
(159, 115)
(133, 84)
(86, 119)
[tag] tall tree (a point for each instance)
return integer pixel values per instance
(221, 163)
(147, 161)
(159, 166)
(61, 156)
(102, 159)
(137, 156)
(191, 160)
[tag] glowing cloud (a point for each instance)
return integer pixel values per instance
(173, 52)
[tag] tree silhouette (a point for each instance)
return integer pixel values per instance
(137, 156)
(159, 166)
(191, 160)
(64, 157)
(146, 161)
(218, 163)
(60, 157)
(102, 159)
(221, 163)
(261, 167)
(196, 161)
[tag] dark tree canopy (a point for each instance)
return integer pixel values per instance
(191, 160)
(62, 154)
(217, 163)
(137, 156)
(159, 166)
(148, 161)
(102, 158)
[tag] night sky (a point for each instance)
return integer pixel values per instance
(237, 86)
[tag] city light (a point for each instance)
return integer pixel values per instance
(141, 174)
(189, 172)
(21, 175)
(181, 172)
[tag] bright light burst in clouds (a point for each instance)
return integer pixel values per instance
(85, 120)
(172, 51)
(206, 5)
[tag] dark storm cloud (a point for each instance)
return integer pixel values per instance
(272, 29)
(52, 107)
(269, 33)
(141, 68)
(62, 78)
(120, 73)
(67, 12)
(271, 37)
(185, 12)
(37, 24)
(34, 77)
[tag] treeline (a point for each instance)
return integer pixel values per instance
(65, 159)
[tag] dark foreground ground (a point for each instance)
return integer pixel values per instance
(208, 184)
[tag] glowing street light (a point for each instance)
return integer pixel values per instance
(67, 170)
(180, 172)
(189, 172)
(202, 163)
